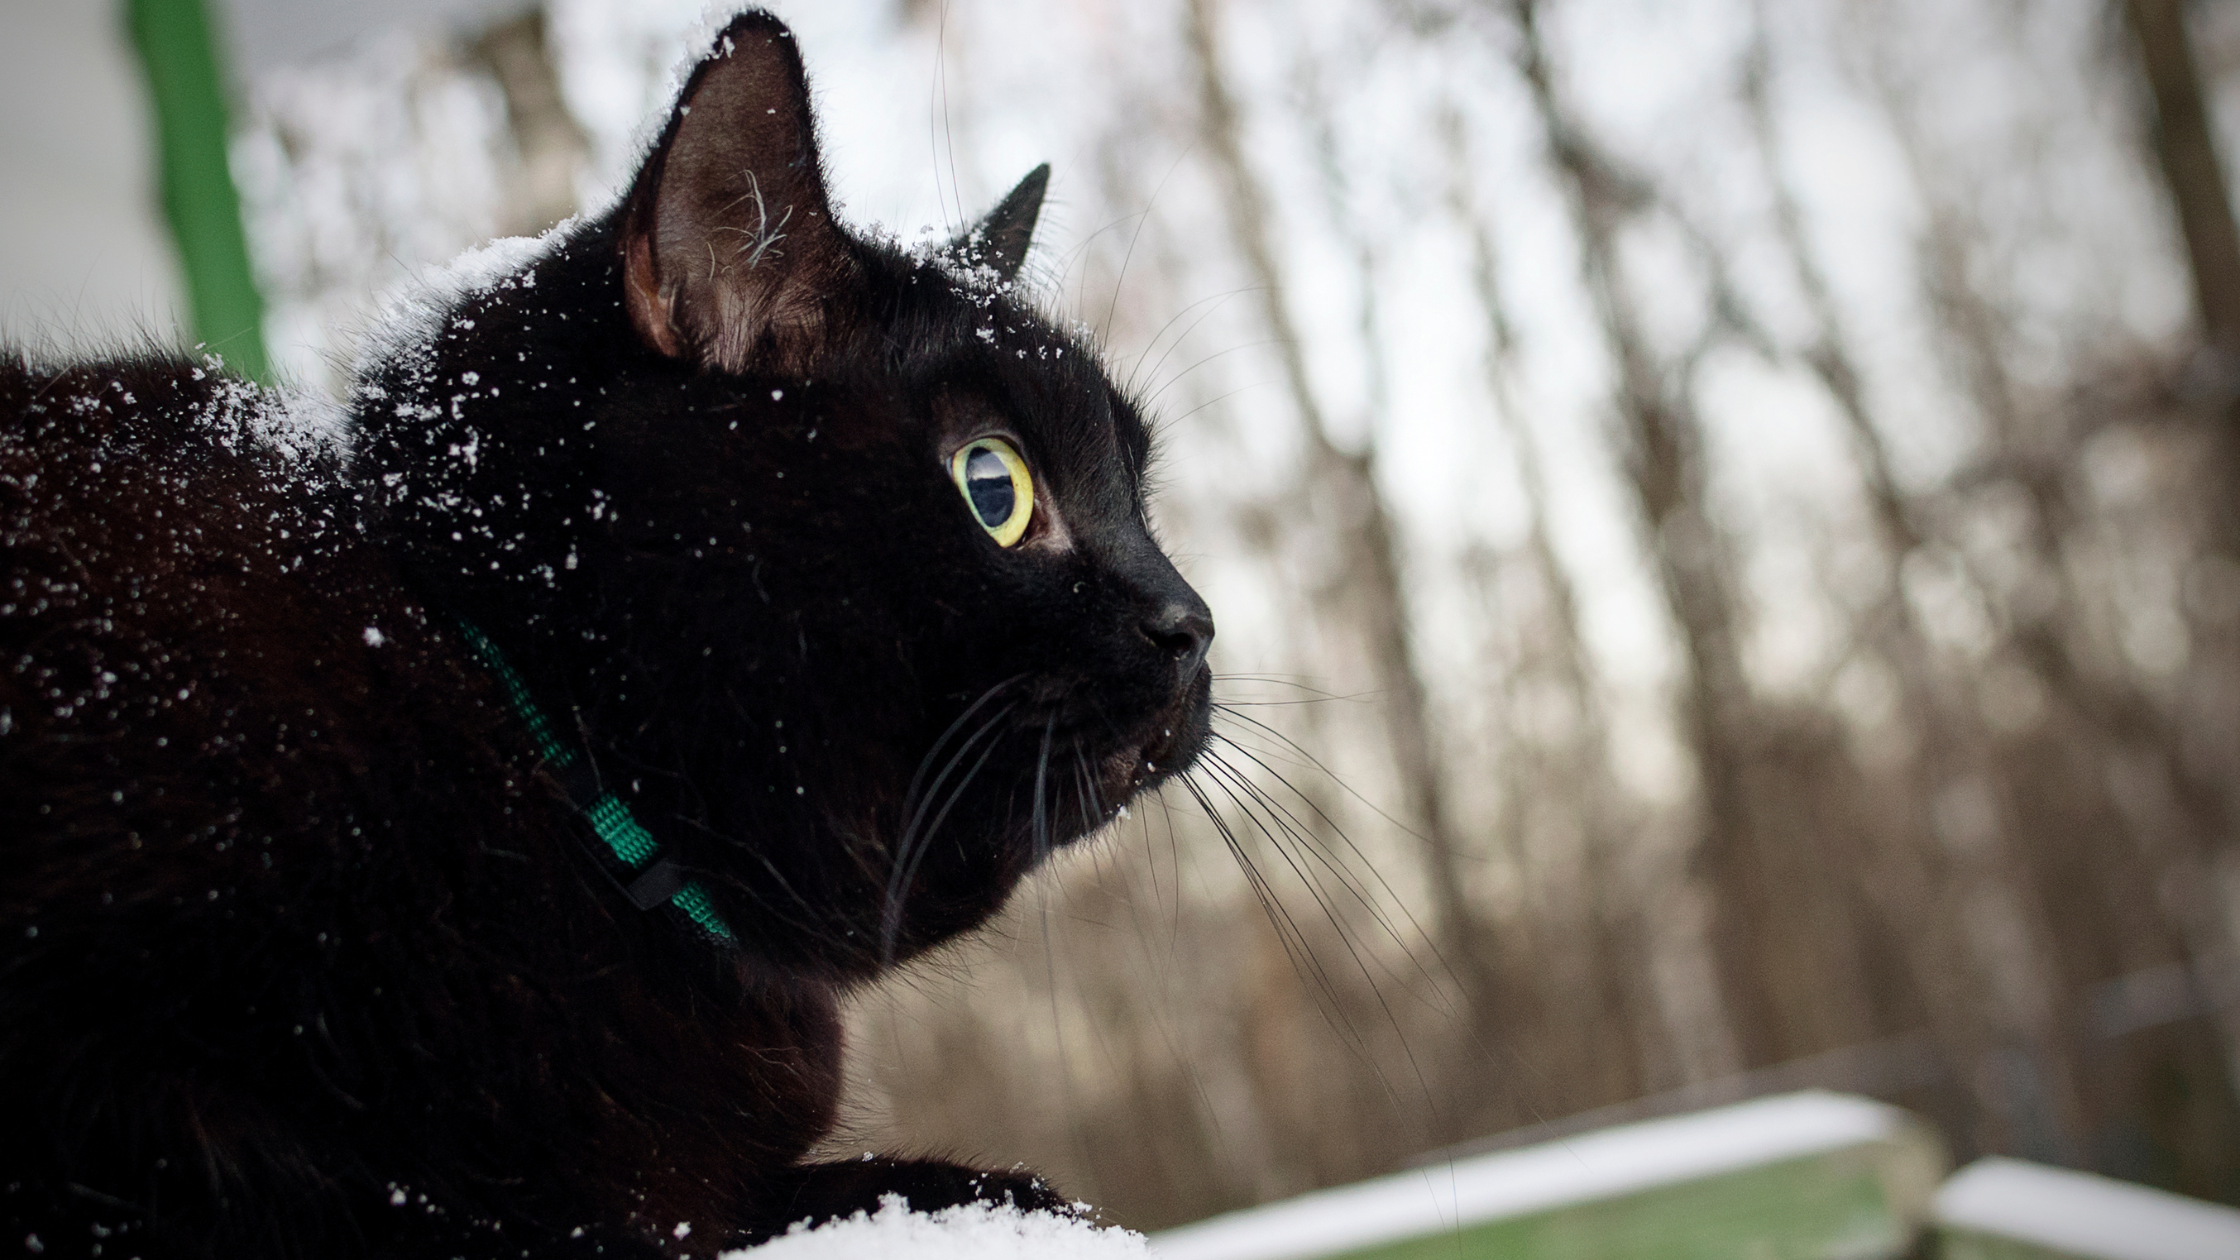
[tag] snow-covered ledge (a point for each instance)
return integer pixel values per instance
(970, 1232)
(1606, 1166)
(2079, 1214)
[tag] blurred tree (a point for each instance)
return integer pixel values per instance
(550, 149)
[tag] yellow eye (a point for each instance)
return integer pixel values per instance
(996, 486)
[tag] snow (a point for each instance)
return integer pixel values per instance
(2085, 1215)
(413, 314)
(972, 1231)
(300, 422)
(1599, 1165)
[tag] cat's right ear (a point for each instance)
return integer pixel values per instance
(999, 242)
(730, 257)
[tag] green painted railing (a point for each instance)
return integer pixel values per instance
(1808, 1176)
(186, 80)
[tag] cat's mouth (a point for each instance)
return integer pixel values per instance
(1163, 748)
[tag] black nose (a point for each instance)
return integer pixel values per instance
(1184, 630)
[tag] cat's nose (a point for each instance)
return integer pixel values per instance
(1182, 628)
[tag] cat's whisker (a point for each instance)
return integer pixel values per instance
(1278, 823)
(1333, 1013)
(1174, 860)
(914, 842)
(1092, 798)
(1313, 692)
(1362, 894)
(1253, 807)
(1073, 772)
(917, 779)
(1310, 759)
(1304, 962)
(1085, 791)
(747, 889)
(1041, 818)
(890, 930)
(1307, 834)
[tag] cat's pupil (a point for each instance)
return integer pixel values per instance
(987, 482)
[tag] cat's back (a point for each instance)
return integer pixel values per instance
(192, 626)
(131, 471)
(251, 797)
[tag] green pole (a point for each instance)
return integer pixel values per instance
(187, 83)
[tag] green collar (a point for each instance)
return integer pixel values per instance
(653, 878)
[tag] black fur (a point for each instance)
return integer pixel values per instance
(304, 952)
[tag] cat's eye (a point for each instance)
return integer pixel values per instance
(996, 486)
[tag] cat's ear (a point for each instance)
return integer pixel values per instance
(730, 257)
(999, 241)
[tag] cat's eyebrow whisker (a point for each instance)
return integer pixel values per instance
(1214, 401)
(1151, 400)
(1120, 281)
(1135, 371)
(1078, 254)
(1136, 377)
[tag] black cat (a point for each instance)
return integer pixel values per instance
(456, 843)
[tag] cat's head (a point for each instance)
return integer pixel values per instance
(840, 553)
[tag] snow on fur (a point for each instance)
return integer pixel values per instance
(412, 314)
(971, 1231)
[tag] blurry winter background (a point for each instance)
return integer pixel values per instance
(1724, 519)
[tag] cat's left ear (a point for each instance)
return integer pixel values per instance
(999, 242)
(730, 257)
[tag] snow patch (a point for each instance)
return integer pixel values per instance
(307, 419)
(413, 313)
(971, 1231)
